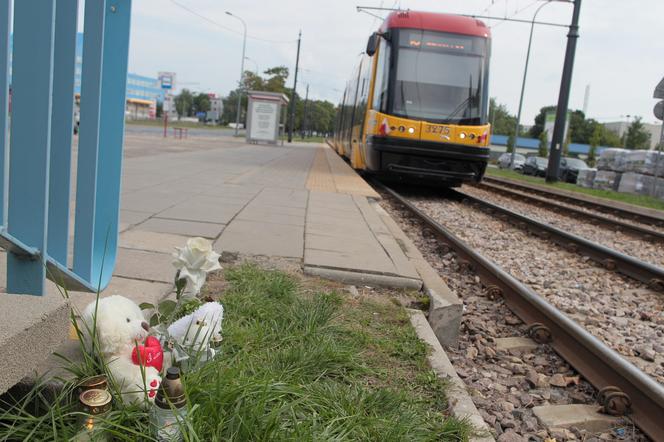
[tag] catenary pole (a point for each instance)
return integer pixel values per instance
(239, 90)
(292, 101)
(563, 98)
(523, 85)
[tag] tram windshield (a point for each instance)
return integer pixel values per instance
(440, 77)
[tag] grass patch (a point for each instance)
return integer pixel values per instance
(175, 123)
(296, 363)
(637, 200)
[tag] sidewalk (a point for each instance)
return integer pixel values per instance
(299, 201)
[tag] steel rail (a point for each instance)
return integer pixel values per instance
(600, 365)
(642, 217)
(643, 232)
(609, 258)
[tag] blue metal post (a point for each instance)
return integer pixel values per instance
(111, 138)
(32, 81)
(88, 138)
(101, 138)
(62, 126)
(5, 27)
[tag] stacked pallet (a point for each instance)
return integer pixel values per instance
(638, 172)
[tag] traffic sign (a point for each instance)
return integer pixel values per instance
(659, 110)
(659, 90)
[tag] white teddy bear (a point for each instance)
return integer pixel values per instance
(197, 330)
(133, 358)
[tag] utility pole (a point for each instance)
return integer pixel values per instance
(292, 101)
(523, 86)
(563, 98)
(304, 114)
(239, 89)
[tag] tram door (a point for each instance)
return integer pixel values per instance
(354, 132)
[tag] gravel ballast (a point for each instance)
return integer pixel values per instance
(504, 385)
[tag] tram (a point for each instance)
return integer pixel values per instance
(416, 106)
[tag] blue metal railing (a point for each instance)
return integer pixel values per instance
(36, 164)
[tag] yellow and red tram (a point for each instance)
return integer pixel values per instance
(416, 107)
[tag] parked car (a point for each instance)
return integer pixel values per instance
(570, 167)
(535, 166)
(505, 159)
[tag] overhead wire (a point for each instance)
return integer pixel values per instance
(219, 25)
(516, 12)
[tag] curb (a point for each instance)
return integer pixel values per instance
(461, 404)
(359, 278)
(445, 308)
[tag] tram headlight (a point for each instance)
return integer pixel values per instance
(411, 130)
(462, 135)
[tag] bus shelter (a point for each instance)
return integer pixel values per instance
(264, 116)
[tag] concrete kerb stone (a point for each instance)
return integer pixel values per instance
(460, 402)
(32, 326)
(445, 307)
(581, 416)
(360, 278)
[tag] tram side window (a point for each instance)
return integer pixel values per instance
(382, 69)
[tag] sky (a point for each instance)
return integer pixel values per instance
(619, 52)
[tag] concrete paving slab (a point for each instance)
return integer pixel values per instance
(152, 241)
(180, 227)
(255, 214)
(32, 327)
(262, 238)
(516, 343)
(370, 263)
(203, 209)
(133, 216)
(147, 266)
(581, 416)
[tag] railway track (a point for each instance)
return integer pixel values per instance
(640, 231)
(623, 388)
(643, 216)
(611, 259)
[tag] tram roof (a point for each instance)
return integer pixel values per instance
(433, 21)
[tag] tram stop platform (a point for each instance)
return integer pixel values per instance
(300, 202)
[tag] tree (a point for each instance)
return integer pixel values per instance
(201, 103)
(183, 103)
(538, 127)
(543, 150)
(594, 142)
(637, 137)
(274, 80)
(510, 144)
(503, 123)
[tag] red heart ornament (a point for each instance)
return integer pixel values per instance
(151, 354)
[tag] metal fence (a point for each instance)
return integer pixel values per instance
(37, 150)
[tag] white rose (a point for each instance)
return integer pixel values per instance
(195, 261)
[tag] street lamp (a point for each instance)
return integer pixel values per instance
(239, 94)
(525, 74)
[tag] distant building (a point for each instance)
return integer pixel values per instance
(620, 127)
(143, 92)
(216, 108)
